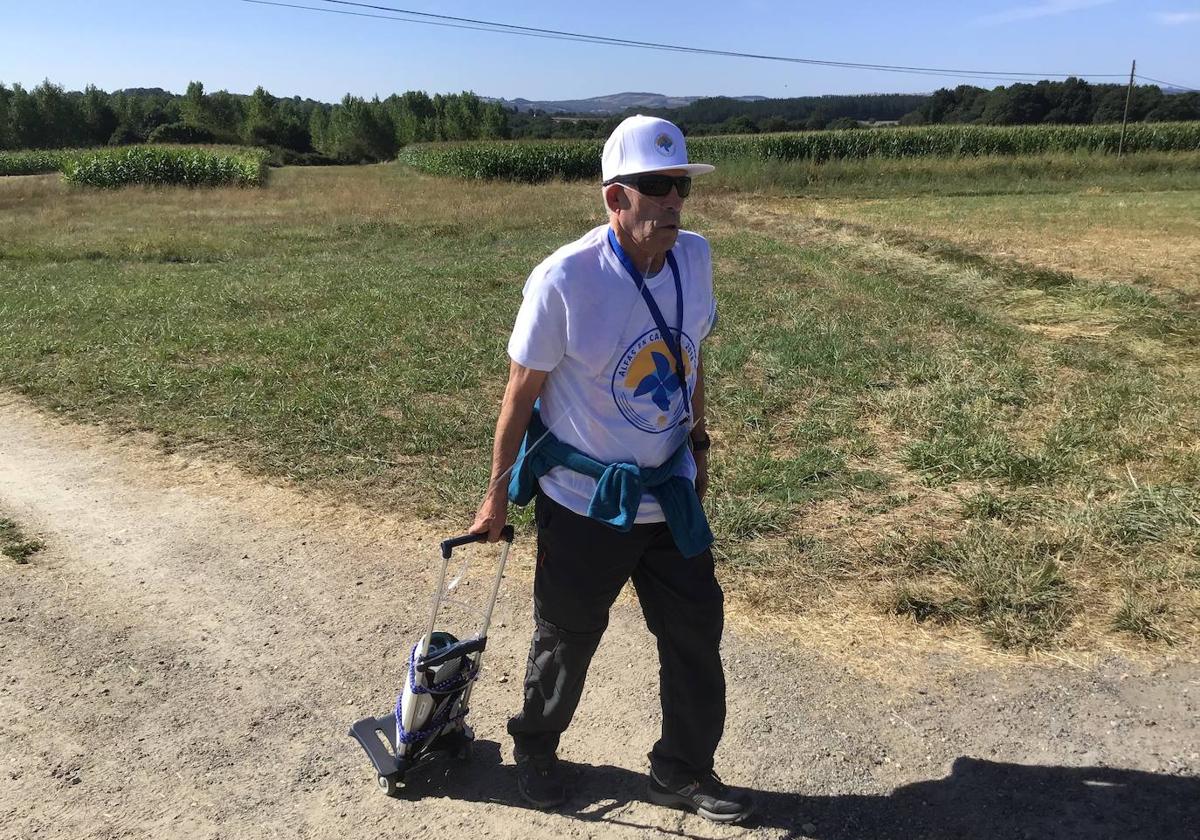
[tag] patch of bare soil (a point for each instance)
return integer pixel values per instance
(184, 657)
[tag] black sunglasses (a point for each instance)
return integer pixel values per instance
(655, 184)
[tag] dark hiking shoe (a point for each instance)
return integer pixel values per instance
(709, 797)
(540, 780)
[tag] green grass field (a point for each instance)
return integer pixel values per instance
(925, 403)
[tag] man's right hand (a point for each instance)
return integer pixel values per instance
(492, 516)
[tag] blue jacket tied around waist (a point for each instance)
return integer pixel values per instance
(619, 486)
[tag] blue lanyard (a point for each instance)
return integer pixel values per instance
(674, 342)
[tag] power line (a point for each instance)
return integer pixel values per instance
(705, 51)
(392, 17)
(1184, 88)
(577, 39)
(455, 22)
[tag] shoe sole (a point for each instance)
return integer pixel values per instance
(545, 805)
(682, 803)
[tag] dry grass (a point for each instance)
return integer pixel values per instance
(41, 213)
(1146, 238)
(862, 544)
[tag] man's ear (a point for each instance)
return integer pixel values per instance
(615, 198)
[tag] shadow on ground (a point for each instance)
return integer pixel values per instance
(979, 800)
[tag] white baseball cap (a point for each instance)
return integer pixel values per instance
(646, 144)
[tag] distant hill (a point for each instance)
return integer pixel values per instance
(596, 117)
(615, 103)
(796, 112)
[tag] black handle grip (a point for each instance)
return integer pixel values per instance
(428, 662)
(448, 546)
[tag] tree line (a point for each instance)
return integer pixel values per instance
(302, 130)
(725, 115)
(1073, 101)
(358, 130)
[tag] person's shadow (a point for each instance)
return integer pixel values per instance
(979, 800)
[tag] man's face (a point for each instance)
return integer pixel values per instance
(652, 222)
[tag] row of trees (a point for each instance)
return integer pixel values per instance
(1073, 101)
(354, 130)
(724, 115)
(357, 129)
(803, 113)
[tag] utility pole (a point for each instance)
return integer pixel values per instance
(1125, 119)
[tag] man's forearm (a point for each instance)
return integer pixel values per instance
(697, 396)
(516, 408)
(510, 429)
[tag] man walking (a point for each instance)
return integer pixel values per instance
(603, 417)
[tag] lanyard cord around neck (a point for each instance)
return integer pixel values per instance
(674, 341)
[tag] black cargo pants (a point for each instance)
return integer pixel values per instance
(582, 565)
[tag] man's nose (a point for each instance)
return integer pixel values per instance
(672, 199)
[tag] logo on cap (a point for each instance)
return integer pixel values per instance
(664, 144)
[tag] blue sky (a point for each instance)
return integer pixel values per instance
(233, 45)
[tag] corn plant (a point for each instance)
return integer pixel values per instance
(35, 161)
(160, 166)
(540, 161)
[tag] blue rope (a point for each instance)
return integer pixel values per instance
(446, 686)
(442, 718)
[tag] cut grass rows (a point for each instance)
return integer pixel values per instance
(974, 399)
(949, 178)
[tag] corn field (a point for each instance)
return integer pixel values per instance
(540, 161)
(35, 161)
(151, 165)
(187, 166)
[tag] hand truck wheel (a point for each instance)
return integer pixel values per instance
(390, 784)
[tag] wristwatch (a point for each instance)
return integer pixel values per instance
(702, 443)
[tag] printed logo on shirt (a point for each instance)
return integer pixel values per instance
(645, 387)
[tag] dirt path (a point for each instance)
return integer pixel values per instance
(184, 658)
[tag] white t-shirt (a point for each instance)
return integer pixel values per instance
(609, 392)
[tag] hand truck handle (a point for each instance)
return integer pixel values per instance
(448, 546)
